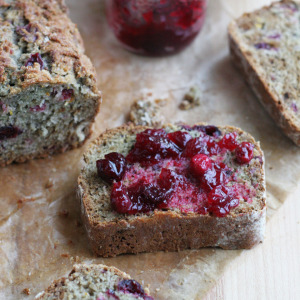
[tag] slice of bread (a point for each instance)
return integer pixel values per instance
(111, 233)
(95, 282)
(265, 46)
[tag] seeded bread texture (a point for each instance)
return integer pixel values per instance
(265, 46)
(111, 233)
(88, 282)
(48, 90)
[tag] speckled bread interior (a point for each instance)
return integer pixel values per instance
(111, 233)
(50, 101)
(265, 46)
(88, 282)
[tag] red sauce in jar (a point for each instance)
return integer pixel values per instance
(155, 27)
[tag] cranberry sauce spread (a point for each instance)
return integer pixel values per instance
(194, 170)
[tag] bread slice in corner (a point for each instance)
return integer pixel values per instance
(265, 46)
(182, 220)
(95, 282)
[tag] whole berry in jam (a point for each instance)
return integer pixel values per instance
(215, 176)
(119, 198)
(151, 146)
(145, 197)
(180, 138)
(213, 147)
(200, 164)
(244, 152)
(112, 167)
(229, 141)
(221, 199)
(195, 146)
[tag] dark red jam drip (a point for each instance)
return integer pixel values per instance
(244, 153)
(35, 58)
(9, 132)
(156, 27)
(131, 286)
(174, 170)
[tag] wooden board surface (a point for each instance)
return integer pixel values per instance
(271, 270)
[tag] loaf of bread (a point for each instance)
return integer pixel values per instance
(181, 223)
(265, 46)
(48, 93)
(95, 282)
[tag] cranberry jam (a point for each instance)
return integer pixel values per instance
(194, 170)
(155, 27)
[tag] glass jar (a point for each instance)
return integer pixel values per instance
(155, 27)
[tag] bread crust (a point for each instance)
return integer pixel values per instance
(168, 230)
(248, 67)
(52, 34)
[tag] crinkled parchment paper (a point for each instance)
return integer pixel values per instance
(41, 234)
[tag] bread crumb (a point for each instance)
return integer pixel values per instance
(26, 291)
(191, 98)
(147, 111)
(157, 289)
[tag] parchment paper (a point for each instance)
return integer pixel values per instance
(41, 234)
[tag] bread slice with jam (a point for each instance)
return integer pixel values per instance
(178, 187)
(95, 282)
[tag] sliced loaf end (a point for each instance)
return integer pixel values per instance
(264, 45)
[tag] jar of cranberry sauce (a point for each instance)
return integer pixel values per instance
(155, 27)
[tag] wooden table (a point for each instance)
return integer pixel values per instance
(272, 269)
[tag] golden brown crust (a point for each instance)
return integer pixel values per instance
(169, 230)
(53, 35)
(247, 65)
